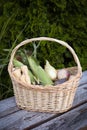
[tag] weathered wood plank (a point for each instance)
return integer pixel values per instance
(8, 106)
(83, 79)
(81, 95)
(72, 120)
(19, 119)
(23, 119)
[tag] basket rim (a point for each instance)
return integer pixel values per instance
(47, 87)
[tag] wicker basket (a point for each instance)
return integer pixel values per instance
(56, 99)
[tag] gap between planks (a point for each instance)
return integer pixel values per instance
(53, 117)
(71, 120)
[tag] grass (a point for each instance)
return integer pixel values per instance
(6, 89)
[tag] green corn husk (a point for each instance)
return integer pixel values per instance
(19, 64)
(39, 72)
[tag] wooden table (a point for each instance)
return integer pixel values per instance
(12, 118)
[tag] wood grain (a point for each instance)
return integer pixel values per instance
(72, 120)
(8, 106)
(83, 79)
(81, 95)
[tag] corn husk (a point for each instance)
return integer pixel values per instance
(19, 65)
(22, 79)
(39, 72)
(26, 76)
(17, 73)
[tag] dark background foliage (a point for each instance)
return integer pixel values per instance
(62, 19)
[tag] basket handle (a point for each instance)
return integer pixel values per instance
(47, 39)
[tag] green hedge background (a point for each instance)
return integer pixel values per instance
(62, 19)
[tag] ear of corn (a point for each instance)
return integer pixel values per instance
(39, 72)
(22, 78)
(19, 64)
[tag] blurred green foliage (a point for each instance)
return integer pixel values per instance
(61, 19)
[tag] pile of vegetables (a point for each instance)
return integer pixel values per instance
(29, 71)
